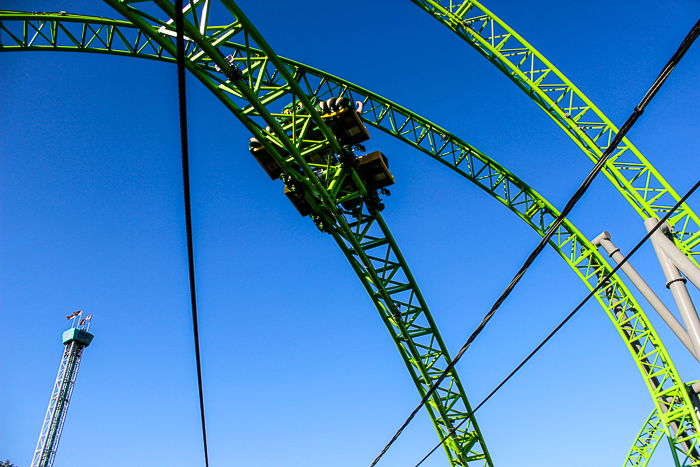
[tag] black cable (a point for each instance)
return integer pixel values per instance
(179, 21)
(601, 283)
(692, 35)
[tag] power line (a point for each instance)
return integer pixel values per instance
(602, 282)
(638, 110)
(182, 94)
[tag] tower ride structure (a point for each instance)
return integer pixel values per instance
(299, 135)
(75, 340)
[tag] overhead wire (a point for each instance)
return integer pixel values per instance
(603, 282)
(638, 110)
(182, 95)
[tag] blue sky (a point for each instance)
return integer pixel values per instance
(297, 372)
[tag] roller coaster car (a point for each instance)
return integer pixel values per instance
(287, 112)
(298, 201)
(265, 159)
(374, 170)
(346, 125)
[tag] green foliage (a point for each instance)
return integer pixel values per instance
(7, 463)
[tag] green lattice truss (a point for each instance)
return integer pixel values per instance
(258, 94)
(646, 442)
(641, 184)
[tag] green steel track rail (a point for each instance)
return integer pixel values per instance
(634, 176)
(646, 442)
(251, 85)
(364, 239)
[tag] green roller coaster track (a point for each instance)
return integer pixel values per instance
(646, 442)
(640, 183)
(365, 239)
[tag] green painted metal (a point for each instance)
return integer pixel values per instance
(660, 376)
(361, 234)
(646, 442)
(634, 176)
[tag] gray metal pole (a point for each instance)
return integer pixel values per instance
(676, 283)
(604, 240)
(679, 260)
(653, 380)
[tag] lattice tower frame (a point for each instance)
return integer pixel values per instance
(425, 137)
(55, 418)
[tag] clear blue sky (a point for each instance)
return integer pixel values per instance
(296, 372)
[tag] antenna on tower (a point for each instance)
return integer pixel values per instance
(75, 340)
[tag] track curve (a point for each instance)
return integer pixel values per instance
(646, 442)
(461, 157)
(628, 170)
